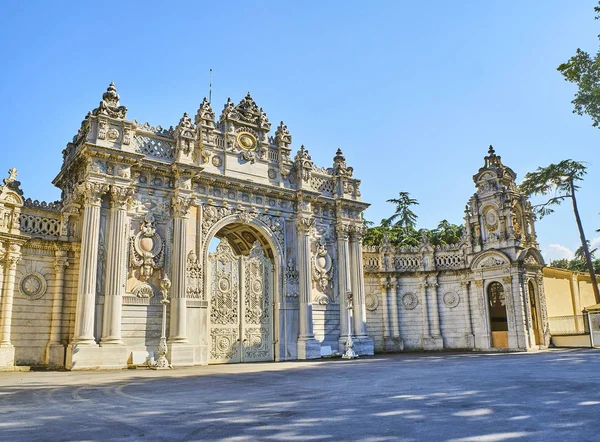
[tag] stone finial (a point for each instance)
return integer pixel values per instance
(340, 168)
(302, 155)
(109, 106)
(185, 122)
(205, 114)
(282, 135)
(11, 182)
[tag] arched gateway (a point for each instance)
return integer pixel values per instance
(142, 202)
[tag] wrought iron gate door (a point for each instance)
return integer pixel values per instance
(241, 314)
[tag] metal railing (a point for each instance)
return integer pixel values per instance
(568, 325)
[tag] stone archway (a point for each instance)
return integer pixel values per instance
(496, 298)
(243, 284)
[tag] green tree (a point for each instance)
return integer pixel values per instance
(446, 233)
(583, 70)
(559, 180)
(403, 217)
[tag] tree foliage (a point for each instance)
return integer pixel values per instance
(556, 179)
(402, 231)
(583, 70)
(559, 180)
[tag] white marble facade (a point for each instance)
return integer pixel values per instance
(81, 277)
(447, 297)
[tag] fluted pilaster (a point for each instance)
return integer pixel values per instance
(358, 283)
(88, 265)
(304, 224)
(177, 326)
(115, 267)
(343, 260)
(10, 269)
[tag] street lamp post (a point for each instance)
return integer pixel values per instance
(162, 362)
(349, 353)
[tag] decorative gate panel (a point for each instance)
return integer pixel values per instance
(241, 313)
(257, 318)
(224, 305)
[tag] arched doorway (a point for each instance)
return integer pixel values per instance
(535, 318)
(498, 317)
(240, 286)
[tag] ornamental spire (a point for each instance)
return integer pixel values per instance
(110, 106)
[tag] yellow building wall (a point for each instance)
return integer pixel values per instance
(567, 293)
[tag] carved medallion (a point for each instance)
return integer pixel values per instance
(371, 301)
(451, 299)
(246, 141)
(33, 285)
(410, 301)
(217, 161)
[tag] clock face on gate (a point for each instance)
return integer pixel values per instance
(246, 141)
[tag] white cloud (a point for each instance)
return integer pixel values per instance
(556, 251)
(595, 243)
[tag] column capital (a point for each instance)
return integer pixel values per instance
(342, 230)
(120, 196)
(92, 192)
(180, 206)
(304, 223)
(60, 260)
(356, 232)
(385, 284)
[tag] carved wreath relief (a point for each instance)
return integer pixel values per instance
(33, 285)
(322, 265)
(146, 254)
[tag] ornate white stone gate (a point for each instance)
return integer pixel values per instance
(240, 306)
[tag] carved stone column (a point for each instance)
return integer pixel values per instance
(483, 338)
(55, 350)
(7, 351)
(385, 291)
(180, 352)
(394, 342)
(394, 308)
(362, 344)
(115, 266)
(308, 346)
(434, 341)
(343, 260)
(469, 336)
(88, 265)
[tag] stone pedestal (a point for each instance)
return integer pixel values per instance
(433, 343)
(88, 357)
(180, 355)
(363, 346)
(393, 344)
(7, 357)
(55, 355)
(309, 348)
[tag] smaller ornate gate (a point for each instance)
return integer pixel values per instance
(241, 306)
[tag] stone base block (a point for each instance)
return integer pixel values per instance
(363, 346)
(482, 342)
(393, 344)
(309, 349)
(55, 355)
(470, 341)
(86, 357)
(200, 355)
(7, 358)
(433, 343)
(180, 355)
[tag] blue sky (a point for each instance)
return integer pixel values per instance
(413, 92)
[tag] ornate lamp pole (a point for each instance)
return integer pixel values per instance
(349, 353)
(162, 362)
